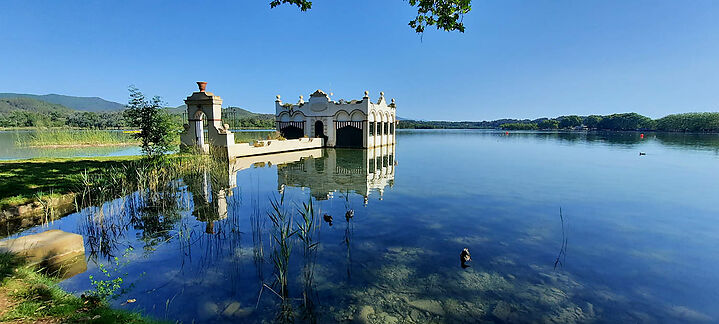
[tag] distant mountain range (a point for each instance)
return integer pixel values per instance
(63, 103)
(56, 102)
(94, 104)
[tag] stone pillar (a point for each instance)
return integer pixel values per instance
(203, 102)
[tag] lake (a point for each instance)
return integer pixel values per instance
(637, 238)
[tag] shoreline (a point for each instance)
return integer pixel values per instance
(566, 130)
(23, 208)
(31, 294)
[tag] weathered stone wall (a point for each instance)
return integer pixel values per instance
(273, 146)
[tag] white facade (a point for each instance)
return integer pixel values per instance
(205, 107)
(357, 123)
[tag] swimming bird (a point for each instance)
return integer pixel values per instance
(349, 214)
(642, 153)
(327, 219)
(465, 257)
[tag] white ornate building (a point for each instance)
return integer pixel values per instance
(357, 123)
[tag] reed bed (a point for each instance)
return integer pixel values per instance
(73, 138)
(152, 192)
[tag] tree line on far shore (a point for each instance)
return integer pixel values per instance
(686, 122)
(28, 112)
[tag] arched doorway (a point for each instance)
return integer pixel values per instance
(349, 136)
(320, 130)
(200, 133)
(292, 132)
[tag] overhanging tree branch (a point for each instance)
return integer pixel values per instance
(446, 15)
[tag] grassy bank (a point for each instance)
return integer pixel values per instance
(75, 138)
(25, 180)
(29, 296)
(96, 178)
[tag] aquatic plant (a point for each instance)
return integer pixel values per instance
(111, 285)
(258, 253)
(308, 231)
(102, 233)
(152, 191)
(561, 258)
(69, 138)
(281, 233)
(48, 210)
(308, 226)
(349, 214)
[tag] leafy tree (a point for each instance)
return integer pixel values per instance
(592, 121)
(548, 124)
(157, 127)
(689, 122)
(519, 126)
(626, 121)
(570, 121)
(446, 15)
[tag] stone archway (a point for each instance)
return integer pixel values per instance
(320, 130)
(292, 132)
(200, 120)
(349, 136)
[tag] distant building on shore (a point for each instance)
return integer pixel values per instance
(356, 123)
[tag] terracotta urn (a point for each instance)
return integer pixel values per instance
(202, 85)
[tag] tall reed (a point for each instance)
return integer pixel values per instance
(74, 138)
(282, 231)
(308, 232)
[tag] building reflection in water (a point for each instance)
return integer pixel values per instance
(324, 171)
(210, 191)
(343, 170)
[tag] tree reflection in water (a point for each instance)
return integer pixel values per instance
(152, 204)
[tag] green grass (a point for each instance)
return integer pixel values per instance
(75, 138)
(23, 179)
(36, 296)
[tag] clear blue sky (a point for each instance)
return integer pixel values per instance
(517, 58)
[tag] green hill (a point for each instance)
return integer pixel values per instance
(242, 113)
(8, 105)
(93, 104)
(29, 112)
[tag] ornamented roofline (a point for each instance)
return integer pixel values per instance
(320, 93)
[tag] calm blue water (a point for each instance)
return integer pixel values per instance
(641, 233)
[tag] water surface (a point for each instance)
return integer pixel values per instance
(638, 240)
